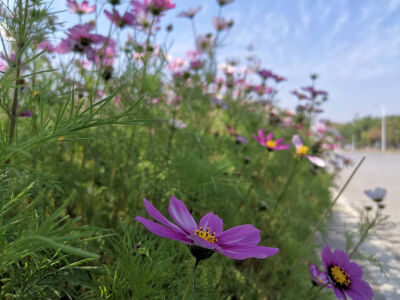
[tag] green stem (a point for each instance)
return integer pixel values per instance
(365, 234)
(278, 201)
(312, 297)
(191, 280)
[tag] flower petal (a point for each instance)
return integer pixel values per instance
(297, 141)
(261, 136)
(340, 258)
(163, 231)
(326, 257)
(243, 251)
(212, 221)
(319, 162)
(270, 136)
(354, 270)
(181, 215)
(243, 234)
(155, 214)
(360, 290)
(339, 294)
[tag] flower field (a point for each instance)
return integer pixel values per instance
(127, 173)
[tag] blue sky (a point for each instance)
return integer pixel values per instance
(354, 46)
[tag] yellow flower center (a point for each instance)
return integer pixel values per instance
(340, 276)
(205, 235)
(302, 150)
(271, 144)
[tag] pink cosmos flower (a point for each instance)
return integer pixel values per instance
(222, 24)
(118, 20)
(80, 9)
(155, 7)
(190, 13)
(269, 142)
(81, 40)
(204, 43)
(239, 242)
(48, 46)
(302, 151)
(300, 96)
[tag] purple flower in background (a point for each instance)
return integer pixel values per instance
(239, 139)
(26, 113)
(377, 195)
(118, 20)
(269, 142)
(302, 150)
(317, 276)
(80, 9)
(344, 276)
(239, 242)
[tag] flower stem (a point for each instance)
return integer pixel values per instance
(365, 233)
(191, 280)
(278, 201)
(313, 296)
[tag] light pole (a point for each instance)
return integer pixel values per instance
(383, 130)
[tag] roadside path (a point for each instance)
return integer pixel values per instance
(378, 170)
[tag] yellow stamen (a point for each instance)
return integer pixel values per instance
(302, 150)
(35, 93)
(340, 276)
(271, 144)
(205, 235)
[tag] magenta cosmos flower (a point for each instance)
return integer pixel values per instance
(344, 276)
(269, 141)
(80, 9)
(239, 242)
(118, 20)
(302, 151)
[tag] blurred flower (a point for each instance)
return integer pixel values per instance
(222, 24)
(302, 150)
(204, 43)
(218, 102)
(81, 40)
(344, 276)
(239, 139)
(225, 2)
(48, 46)
(177, 124)
(157, 7)
(377, 195)
(300, 96)
(269, 142)
(80, 9)
(118, 20)
(190, 13)
(317, 276)
(314, 92)
(239, 242)
(26, 113)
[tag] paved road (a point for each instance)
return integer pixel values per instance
(378, 170)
